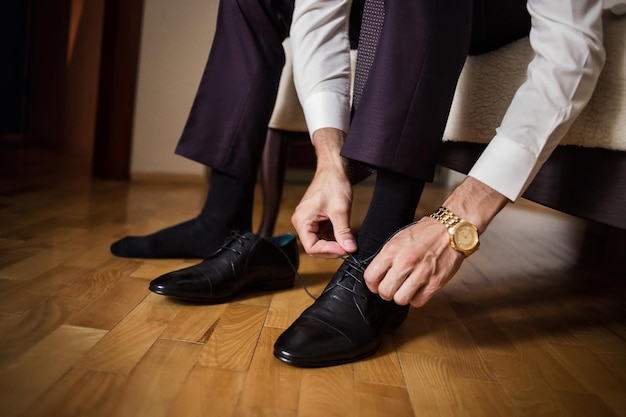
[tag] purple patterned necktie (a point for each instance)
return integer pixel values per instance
(371, 26)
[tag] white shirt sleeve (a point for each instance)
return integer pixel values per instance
(566, 37)
(321, 62)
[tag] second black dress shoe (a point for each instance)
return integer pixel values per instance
(245, 260)
(346, 323)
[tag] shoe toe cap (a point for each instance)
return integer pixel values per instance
(181, 284)
(310, 343)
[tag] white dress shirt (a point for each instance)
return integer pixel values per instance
(321, 62)
(566, 37)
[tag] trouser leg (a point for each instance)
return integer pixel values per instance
(406, 100)
(234, 102)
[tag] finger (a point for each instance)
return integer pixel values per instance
(409, 290)
(434, 275)
(376, 272)
(345, 239)
(392, 282)
(308, 231)
(424, 283)
(315, 245)
(342, 232)
(422, 296)
(308, 240)
(407, 275)
(326, 249)
(382, 265)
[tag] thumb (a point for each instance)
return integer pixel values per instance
(345, 239)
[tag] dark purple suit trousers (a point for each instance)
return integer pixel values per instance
(404, 105)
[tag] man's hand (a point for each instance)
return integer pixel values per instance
(418, 261)
(322, 219)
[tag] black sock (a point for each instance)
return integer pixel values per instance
(392, 207)
(228, 206)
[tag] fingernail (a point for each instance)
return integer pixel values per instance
(349, 244)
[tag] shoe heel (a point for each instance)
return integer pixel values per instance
(277, 284)
(401, 315)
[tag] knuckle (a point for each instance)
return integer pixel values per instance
(345, 230)
(369, 277)
(401, 299)
(384, 294)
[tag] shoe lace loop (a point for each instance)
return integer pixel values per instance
(234, 241)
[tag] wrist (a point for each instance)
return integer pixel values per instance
(328, 143)
(475, 202)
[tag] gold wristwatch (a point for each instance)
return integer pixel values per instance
(463, 234)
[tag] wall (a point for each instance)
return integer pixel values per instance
(176, 39)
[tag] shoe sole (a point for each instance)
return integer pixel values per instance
(323, 364)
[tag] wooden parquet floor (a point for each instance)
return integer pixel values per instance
(528, 327)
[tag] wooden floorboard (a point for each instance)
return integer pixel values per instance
(534, 324)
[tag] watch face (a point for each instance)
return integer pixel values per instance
(465, 236)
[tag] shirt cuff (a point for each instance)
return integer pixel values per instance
(506, 166)
(327, 109)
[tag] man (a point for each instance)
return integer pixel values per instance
(396, 129)
(225, 131)
(229, 116)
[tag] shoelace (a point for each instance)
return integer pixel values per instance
(234, 237)
(300, 279)
(302, 283)
(354, 264)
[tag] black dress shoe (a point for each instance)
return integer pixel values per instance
(245, 260)
(346, 323)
